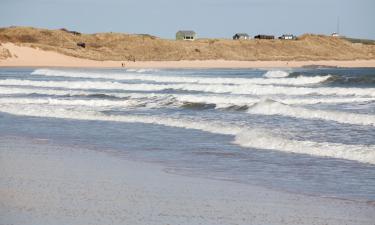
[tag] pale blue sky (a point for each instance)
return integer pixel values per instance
(209, 18)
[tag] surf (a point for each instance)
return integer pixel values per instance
(276, 74)
(251, 89)
(221, 101)
(271, 107)
(300, 81)
(244, 136)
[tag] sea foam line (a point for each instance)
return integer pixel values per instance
(28, 91)
(264, 107)
(270, 107)
(276, 74)
(222, 101)
(244, 136)
(73, 102)
(301, 80)
(252, 89)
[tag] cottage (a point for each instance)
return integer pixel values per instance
(263, 36)
(186, 35)
(335, 34)
(288, 37)
(241, 36)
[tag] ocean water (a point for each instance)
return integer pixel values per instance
(308, 131)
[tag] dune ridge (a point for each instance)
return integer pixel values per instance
(120, 47)
(27, 46)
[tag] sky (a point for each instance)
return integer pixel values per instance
(209, 18)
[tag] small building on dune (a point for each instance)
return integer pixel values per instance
(241, 36)
(186, 35)
(264, 36)
(287, 37)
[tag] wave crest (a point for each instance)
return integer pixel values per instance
(298, 81)
(276, 74)
(252, 89)
(244, 136)
(271, 107)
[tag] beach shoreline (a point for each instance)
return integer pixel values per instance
(41, 181)
(31, 57)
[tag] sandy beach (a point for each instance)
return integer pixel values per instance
(241, 113)
(31, 57)
(44, 183)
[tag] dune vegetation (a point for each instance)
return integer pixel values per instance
(4, 53)
(144, 47)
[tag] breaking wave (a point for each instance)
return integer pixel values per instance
(342, 79)
(221, 101)
(299, 81)
(244, 136)
(252, 89)
(29, 91)
(142, 70)
(276, 74)
(366, 80)
(270, 107)
(73, 102)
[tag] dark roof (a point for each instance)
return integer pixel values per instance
(187, 32)
(286, 35)
(264, 36)
(242, 34)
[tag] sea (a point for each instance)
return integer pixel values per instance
(309, 131)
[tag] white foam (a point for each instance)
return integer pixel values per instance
(223, 101)
(94, 103)
(101, 85)
(269, 107)
(360, 153)
(28, 91)
(161, 100)
(10, 91)
(142, 70)
(315, 100)
(276, 74)
(244, 136)
(295, 91)
(183, 79)
(252, 89)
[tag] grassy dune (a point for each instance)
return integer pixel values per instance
(122, 47)
(4, 53)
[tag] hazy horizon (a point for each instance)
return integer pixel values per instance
(209, 18)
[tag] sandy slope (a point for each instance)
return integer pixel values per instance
(31, 57)
(144, 47)
(26, 56)
(41, 183)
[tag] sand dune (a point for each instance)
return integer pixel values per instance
(42, 47)
(26, 56)
(22, 56)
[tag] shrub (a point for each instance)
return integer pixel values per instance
(27, 38)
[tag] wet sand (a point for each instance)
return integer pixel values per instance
(43, 183)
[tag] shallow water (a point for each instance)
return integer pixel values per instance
(309, 131)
